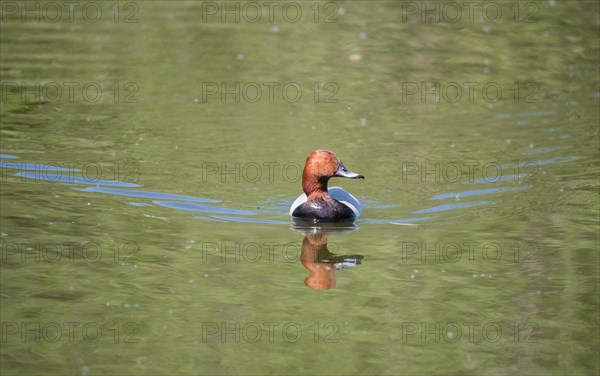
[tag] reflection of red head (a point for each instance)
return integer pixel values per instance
(322, 275)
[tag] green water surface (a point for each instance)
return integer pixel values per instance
(477, 133)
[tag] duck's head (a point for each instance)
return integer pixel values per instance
(320, 166)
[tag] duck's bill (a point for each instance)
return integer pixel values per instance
(345, 173)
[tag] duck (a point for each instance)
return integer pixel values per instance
(319, 203)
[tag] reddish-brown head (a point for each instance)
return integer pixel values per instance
(321, 165)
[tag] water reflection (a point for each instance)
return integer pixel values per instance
(318, 259)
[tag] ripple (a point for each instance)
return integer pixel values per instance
(539, 151)
(453, 206)
(396, 221)
(516, 177)
(542, 162)
(145, 194)
(73, 179)
(536, 113)
(478, 192)
(35, 167)
(190, 206)
(250, 220)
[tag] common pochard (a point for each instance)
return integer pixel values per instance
(318, 203)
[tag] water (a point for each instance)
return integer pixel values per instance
(148, 167)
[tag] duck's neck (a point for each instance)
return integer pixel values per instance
(315, 188)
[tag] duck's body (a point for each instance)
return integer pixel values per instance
(318, 203)
(340, 205)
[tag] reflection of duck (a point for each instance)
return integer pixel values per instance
(318, 203)
(321, 263)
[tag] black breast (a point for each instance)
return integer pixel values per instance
(324, 210)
